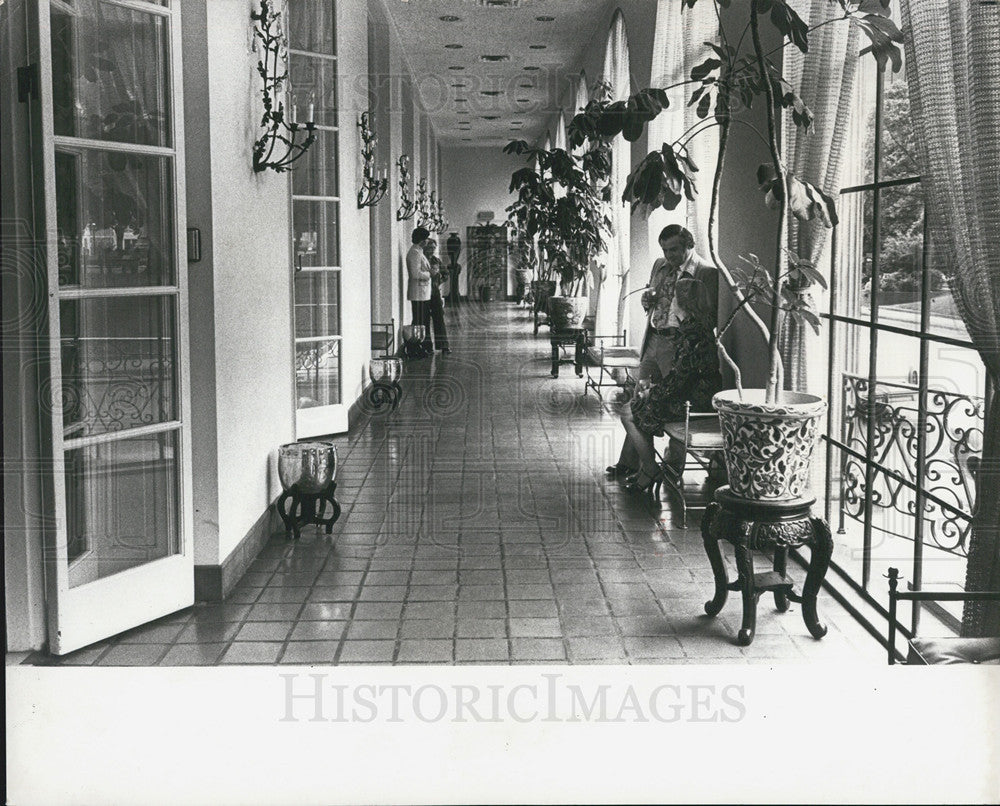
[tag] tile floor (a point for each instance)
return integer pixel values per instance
(478, 527)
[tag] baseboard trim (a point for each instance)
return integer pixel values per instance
(213, 583)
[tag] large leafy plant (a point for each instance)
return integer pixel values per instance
(725, 85)
(562, 200)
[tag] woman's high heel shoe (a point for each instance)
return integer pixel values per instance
(619, 471)
(645, 484)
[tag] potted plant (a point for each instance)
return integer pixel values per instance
(563, 203)
(769, 433)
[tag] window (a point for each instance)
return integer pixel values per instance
(312, 73)
(906, 387)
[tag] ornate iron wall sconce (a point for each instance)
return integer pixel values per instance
(422, 203)
(281, 132)
(373, 186)
(407, 209)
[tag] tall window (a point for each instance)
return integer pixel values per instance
(316, 206)
(906, 387)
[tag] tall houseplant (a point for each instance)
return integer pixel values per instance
(769, 434)
(562, 202)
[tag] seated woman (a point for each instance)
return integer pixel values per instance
(694, 378)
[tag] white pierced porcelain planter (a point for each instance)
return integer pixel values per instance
(566, 313)
(769, 446)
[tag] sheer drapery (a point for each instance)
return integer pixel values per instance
(561, 130)
(679, 45)
(610, 309)
(953, 74)
(826, 81)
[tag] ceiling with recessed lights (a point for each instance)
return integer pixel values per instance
(489, 71)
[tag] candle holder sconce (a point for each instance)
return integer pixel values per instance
(373, 186)
(407, 209)
(280, 144)
(422, 204)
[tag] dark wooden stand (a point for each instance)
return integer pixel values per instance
(760, 526)
(572, 336)
(380, 393)
(298, 509)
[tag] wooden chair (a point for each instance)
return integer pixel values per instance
(948, 650)
(699, 435)
(383, 339)
(607, 356)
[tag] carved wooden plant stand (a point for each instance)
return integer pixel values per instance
(298, 509)
(761, 526)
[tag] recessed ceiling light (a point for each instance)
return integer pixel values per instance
(537, 47)
(545, 18)
(526, 86)
(495, 57)
(490, 117)
(491, 92)
(517, 123)
(530, 67)
(449, 18)
(523, 100)
(467, 139)
(460, 86)
(454, 46)
(456, 67)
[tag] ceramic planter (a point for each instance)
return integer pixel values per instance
(566, 313)
(768, 447)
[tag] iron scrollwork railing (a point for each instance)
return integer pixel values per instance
(112, 385)
(952, 451)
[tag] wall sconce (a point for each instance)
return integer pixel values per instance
(281, 132)
(422, 205)
(407, 208)
(373, 186)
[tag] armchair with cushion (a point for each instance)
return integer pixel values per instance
(948, 650)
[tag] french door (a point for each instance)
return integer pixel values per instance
(112, 176)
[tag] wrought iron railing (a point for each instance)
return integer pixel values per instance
(946, 481)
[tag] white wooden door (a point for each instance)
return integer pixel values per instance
(112, 175)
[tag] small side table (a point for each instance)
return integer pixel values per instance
(558, 338)
(298, 509)
(759, 526)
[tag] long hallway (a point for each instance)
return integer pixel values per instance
(478, 527)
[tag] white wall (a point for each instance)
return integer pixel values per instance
(251, 266)
(474, 179)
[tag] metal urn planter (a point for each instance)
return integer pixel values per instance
(384, 388)
(307, 471)
(414, 337)
(769, 447)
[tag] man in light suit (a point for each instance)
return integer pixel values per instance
(418, 288)
(681, 285)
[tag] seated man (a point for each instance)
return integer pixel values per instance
(678, 359)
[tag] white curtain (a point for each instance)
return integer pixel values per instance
(561, 130)
(953, 73)
(679, 45)
(610, 311)
(825, 79)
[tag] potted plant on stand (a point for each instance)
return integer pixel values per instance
(563, 202)
(769, 433)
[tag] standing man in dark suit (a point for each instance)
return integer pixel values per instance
(436, 303)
